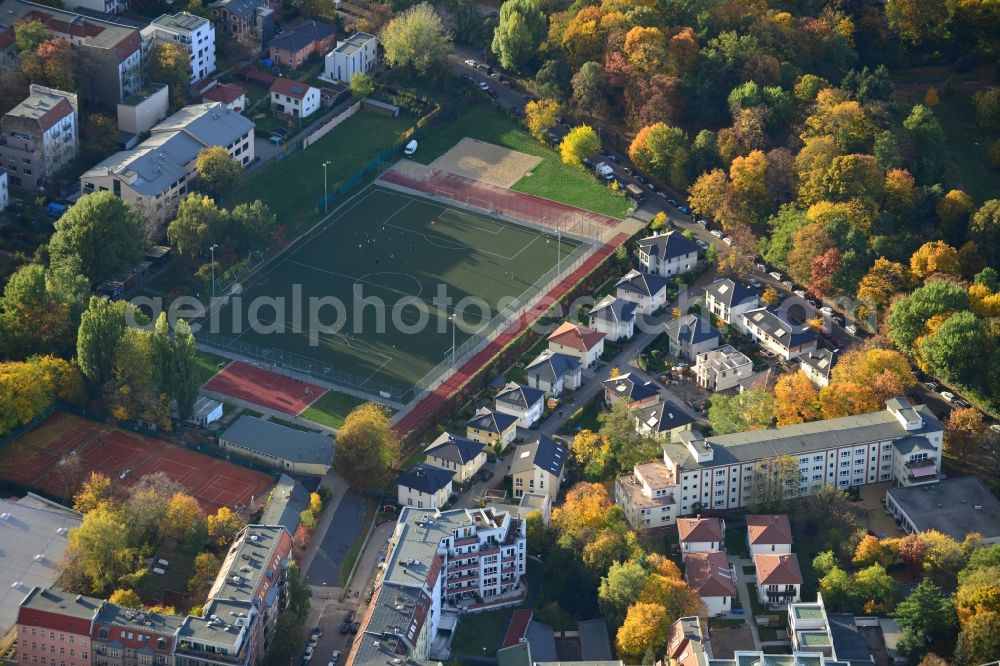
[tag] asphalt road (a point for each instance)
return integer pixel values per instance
(347, 523)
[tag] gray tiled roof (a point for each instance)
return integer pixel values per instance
(730, 292)
(668, 246)
(426, 478)
(949, 507)
(613, 309)
(454, 449)
(691, 328)
(519, 396)
(741, 447)
(820, 361)
(663, 416)
(280, 441)
(641, 284)
(492, 421)
(542, 452)
(303, 35)
(778, 327)
(630, 387)
(550, 366)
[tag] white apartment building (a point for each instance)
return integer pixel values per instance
(357, 53)
(667, 254)
(901, 444)
(772, 331)
(39, 136)
(647, 291)
(153, 177)
(101, 6)
(722, 369)
(194, 33)
(647, 496)
(817, 366)
(726, 299)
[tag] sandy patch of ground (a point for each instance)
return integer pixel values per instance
(487, 162)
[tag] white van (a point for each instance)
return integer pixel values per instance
(410, 148)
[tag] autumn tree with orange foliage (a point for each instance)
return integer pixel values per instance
(934, 257)
(962, 431)
(795, 399)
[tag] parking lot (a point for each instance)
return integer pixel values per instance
(347, 525)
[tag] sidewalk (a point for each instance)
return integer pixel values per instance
(741, 581)
(337, 487)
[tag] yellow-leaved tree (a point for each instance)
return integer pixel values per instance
(580, 142)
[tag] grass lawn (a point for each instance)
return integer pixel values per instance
(755, 606)
(152, 586)
(331, 408)
(586, 417)
(293, 187)
(967, 145)
(550, 178)
(207, 365)
(725, 622)
(749, 570)
(480, 633)
(770, 634)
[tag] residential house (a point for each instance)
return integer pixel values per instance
(554, 373)
(809, 627)
(816, 365)
(646, 496)
(538, 467)
(293, 47)
(901, 443)
(957, 507)
(107, 55)
(425, 487)
(133, 637)
(614, 317)
(709, 574)
(46, 613)
(663, 421)
(293, 98)
(252, 23)
(698, 535)
(194, 34)
(727, 299)
(288, 449)
(229, 95)
(491, 428)
(357, 53)
(722, 369)
(576, 340)
(779, 579)
(632, 389)
(38, 137)
(456, 454)
(772, 331)
(667, 254)
(647, 291)
(100, 6)
(686, 645)
(523, 402)
(140, 111)
(769, 534)
(690, 335)
(155, 176)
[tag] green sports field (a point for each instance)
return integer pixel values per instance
(377, 268)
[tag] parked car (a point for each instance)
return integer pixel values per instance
(776, 275)
(313, 640)
(334, 658)
(852, 329)
(672, 202)
(948, 396)
(356, 625)
(629, 171)
(932, 386)
(761, 267)
(307, 655)
(962, 402)
(349, 617)
(716, 233)
(484, 86)
(684, 209)
(471, 63)
(788, 284)
(507, 82)
(651, 186)
(754, 283)
(995, 427)
(702, 244)
(495, 75)
(614, 158)
(827, 310)
(727, 240)
(661, 194)
(800, 293)
(640, 179)
(516, 111)
(486, 474)
(553, 138)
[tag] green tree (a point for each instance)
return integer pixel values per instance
(628, 446)
(97, 554)
(704, 154)
(927, 619)
(251, 226)
(218, 171)
(366, 447)
(909, 315)
(749, 410)
(206, 568)
(621, 588)
(36, 316)
(873, 585)
(520, 33)
(984, 229)
(774, 482)
(29, 35)
(662, 150)
(958, 350)
(580, 142)
(98, 137)
(979, 639)
(362, 84)
(184, 521)
(987, 103)
(199, 224)
(824, 562)
(125, 597)
(590, 90)
(99, 236)
(928, 139)
(101, 327)
(837, 588)
(417, 40)
(916, 21)
(170, 63)
(177, 364)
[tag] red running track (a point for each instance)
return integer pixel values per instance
(265, 388)
(465, 373)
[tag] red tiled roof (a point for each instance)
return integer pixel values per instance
(576, 337)
(708, 574)
(517, 627)
(227, 93)
(33, 617)
(778, 569)
(699, 529)
(62, 109)
(769, 529)
(290, 87)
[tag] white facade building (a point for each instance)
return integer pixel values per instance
(667, 254)
(726, 299)
(722, 369)
(522, 402)
(357, 53)
(614, 317)
(701, 535)
(647, 291)
(194, 33)
(298, 100)
(708, 573)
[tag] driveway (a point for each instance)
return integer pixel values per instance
(347, 523)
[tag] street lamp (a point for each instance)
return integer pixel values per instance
(326, 203)
(212, 250)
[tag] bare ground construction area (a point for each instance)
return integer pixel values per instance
(487, 162)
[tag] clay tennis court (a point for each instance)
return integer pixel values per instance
(35, 460)
(265, 388)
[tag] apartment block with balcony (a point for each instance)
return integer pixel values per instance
(132, 637)
(39, 136)
(901, 443)
(226, 634)
(779, 578)
(194, 34)
(647, 496)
